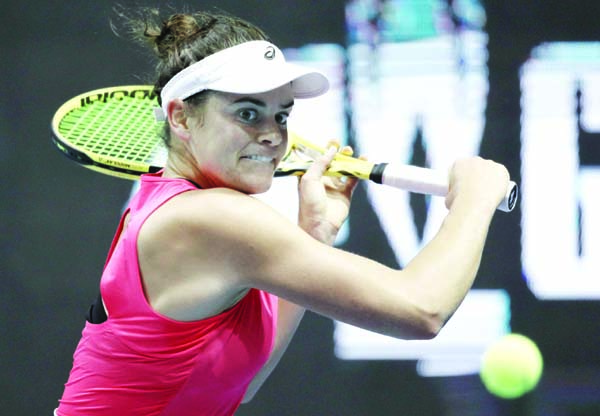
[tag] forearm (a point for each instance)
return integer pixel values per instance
(290, 314)
(289, 317)
(445, 269)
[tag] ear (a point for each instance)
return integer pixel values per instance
(178, 119)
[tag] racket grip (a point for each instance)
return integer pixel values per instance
(428, 181)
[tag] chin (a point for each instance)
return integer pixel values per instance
(257, 186)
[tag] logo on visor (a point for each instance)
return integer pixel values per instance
(270, 53)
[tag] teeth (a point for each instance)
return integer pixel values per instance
(259, 158)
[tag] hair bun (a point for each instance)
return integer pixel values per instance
(174, 32)
(183, 38)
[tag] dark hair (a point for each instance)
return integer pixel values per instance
(184, 38)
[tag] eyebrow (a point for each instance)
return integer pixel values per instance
(261, 103)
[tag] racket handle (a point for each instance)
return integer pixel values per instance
(428, 181)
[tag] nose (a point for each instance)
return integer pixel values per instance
(272, 137)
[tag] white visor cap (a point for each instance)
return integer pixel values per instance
(248, 68)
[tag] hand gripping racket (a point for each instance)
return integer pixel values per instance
(114, 131)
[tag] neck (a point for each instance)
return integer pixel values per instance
(180, 165)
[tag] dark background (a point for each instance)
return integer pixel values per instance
(57, 219)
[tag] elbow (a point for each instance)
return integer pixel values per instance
(426, 325)
(248, 397)
(415, 328)
(431, 328)
(251, 392)
(426, 314)
(424, 331)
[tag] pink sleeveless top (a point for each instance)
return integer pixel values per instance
(139, 362)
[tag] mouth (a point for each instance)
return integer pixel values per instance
(260, 159)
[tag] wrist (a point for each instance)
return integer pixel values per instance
(470, 215)
(476, 205)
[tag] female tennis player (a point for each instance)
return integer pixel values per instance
(205, 285)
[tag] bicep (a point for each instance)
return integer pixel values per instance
(252, 245)
(332, 282)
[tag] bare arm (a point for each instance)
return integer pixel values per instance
(411, 303)
(289, 317)
(194, 235)
(324, 205)
(458, 265)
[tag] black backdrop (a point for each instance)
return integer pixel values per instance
(58, 219)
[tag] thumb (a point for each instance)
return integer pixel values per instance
(321, 163)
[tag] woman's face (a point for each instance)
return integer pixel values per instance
(237, 141)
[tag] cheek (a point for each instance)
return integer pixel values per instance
(220, 147)
(232, 139)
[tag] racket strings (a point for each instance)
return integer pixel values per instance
(116, 129)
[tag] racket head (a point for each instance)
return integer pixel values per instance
(112, 130)
(301, 153)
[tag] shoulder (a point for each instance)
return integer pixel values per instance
(201, 247)
(221, 210)
(222, 229)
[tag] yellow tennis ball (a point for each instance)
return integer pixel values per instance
(511, 366)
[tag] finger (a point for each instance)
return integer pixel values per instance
(321, 163)
(335, 182)
(350, 186)
(333, 142)
(347, 151)
(342, 184)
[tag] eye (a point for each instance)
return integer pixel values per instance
(281, 118)
(248, 115)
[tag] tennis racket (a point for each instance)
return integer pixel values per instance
(114, 131)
